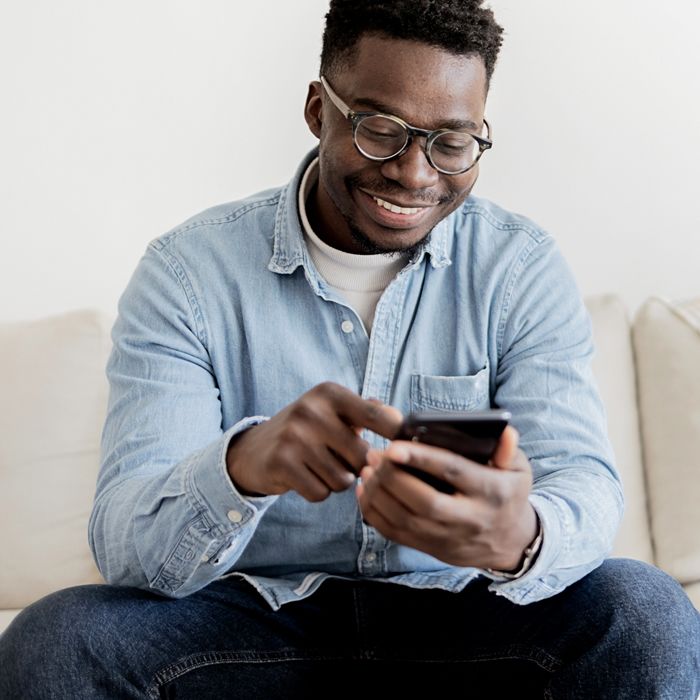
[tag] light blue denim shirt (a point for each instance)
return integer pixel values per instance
(226, 321)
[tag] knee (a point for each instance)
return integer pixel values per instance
(646, 602)
(44, 640)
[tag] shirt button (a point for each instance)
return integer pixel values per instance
(347, 326)
(235, 516)
(370, 557)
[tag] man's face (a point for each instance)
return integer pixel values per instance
(425, 86)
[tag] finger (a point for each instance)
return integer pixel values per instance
(415, 495)
(344, 442)
(466, 476)
(374, 497)
(334, 472)
(366, 413)
(386, 514)
(505, 455)
(309, 486)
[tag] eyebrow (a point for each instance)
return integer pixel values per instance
(456, 124)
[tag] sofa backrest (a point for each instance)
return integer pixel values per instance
(614, 369)
(667, 348)
(54, 395)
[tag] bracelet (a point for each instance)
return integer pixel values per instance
(529, 557)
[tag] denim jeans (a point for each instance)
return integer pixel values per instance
(627, 630)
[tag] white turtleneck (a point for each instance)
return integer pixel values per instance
(359, 279)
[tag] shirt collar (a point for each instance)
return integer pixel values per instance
(289, 251)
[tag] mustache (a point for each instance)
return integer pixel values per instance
(385, 187)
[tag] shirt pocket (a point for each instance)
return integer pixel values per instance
(440, 393)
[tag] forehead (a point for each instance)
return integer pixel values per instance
(423, 84)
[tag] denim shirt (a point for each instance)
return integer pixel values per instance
(226, 321)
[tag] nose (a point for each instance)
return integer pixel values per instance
(412, 169)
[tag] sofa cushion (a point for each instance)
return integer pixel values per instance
(667, 347)
(54, 395)
(613, 366)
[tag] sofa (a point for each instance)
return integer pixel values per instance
(54, 396)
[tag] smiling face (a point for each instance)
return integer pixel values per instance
(363, 206)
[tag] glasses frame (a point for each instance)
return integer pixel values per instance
(355, 118)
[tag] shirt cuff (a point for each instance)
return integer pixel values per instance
(215, 492)
(533, 585)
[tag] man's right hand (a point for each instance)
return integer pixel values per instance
(312, 446)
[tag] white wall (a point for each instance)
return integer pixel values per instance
(119, 120)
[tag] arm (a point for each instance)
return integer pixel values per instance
(165, 509)
(178, 499)
(544, 379)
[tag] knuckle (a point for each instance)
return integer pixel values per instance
(434, 507)
(326, 389)
(339, 481)
(452, 470)
(316, 494)
(372, 410)
(290, 436)
(497, 493)
(358, 456)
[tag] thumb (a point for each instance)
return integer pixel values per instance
(505, 453)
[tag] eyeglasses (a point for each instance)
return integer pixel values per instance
(382, 137)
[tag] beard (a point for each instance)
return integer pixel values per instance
(371, 248)
(354, 182)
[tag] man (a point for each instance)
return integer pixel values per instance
(264, 356)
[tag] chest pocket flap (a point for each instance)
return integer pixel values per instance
(463, 393)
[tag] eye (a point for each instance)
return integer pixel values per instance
(454, 143)
(380, 128)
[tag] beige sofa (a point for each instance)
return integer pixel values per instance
(53, 402)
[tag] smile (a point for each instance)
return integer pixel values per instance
(395, 208)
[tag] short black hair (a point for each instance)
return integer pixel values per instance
(462, 27)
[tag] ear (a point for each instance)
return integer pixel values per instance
(313, 109)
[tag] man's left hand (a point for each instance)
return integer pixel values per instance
(487, 522)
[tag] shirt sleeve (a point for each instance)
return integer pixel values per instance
(545, 379)
(166, 515)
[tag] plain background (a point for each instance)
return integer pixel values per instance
(120, 120)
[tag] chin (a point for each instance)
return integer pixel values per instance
(373, 247)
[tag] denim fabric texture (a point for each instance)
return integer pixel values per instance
(226, 321)
(626, 631)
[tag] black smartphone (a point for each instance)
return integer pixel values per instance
(473, 435)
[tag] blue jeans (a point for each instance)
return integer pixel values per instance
(627, 630)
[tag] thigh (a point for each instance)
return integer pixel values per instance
(626, 629)
(108, 641)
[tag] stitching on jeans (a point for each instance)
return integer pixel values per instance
(213, 658)
(190, 663)
(516, 652)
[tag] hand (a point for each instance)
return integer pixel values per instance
(312, 446)
(487, 522)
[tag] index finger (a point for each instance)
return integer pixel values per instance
(372, 414)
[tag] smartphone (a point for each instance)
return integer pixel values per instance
(473, 435)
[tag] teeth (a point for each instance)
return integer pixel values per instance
(395, 209)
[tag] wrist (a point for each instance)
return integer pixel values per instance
(528, 554)
(234, 459)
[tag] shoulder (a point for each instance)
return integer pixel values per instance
(491, 242)
(224, 224)
(483, 216)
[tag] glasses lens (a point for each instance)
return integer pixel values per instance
(380, 137)
(454, 151)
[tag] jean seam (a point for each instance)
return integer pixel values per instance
(538, 656)
(213, 658)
